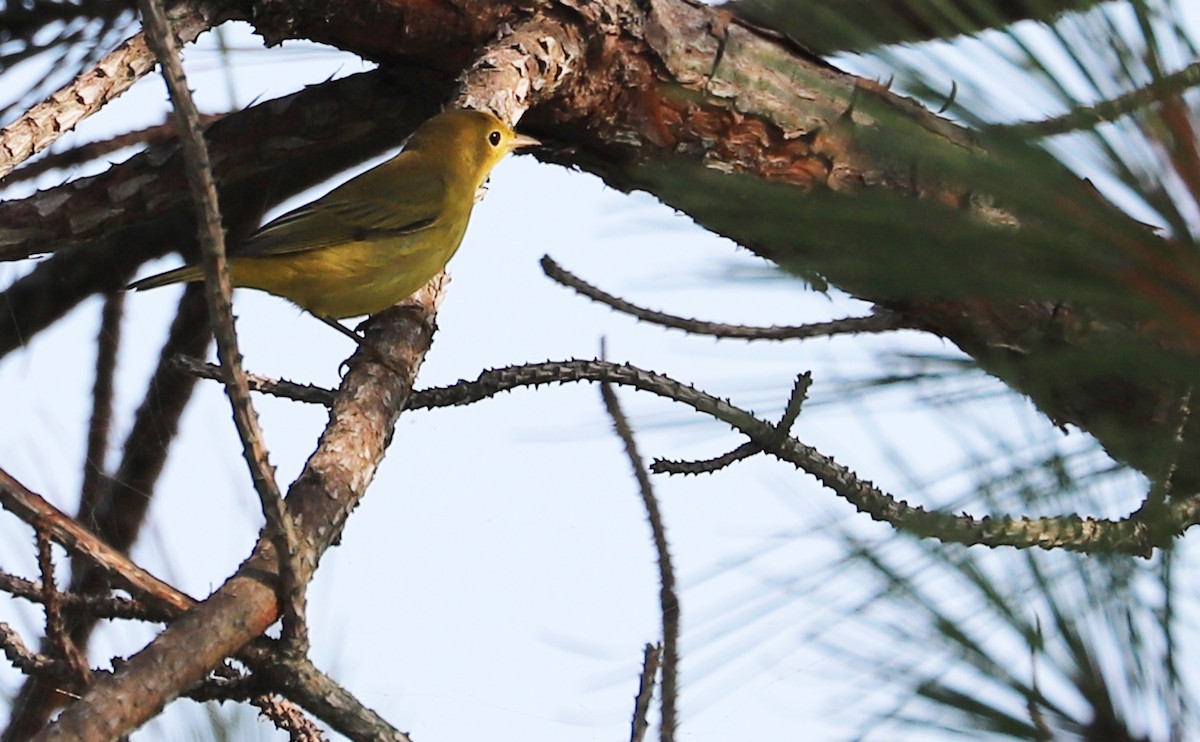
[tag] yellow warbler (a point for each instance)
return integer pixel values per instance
(374, 240)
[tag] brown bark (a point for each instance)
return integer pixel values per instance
(102, 228)
(1007, 255)
(980, 240)
(43, 124)
(320, 500)
(983, 242)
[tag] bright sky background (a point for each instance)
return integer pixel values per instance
(498, 581)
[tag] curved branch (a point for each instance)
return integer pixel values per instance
(667, 596)
(1131, 535)
(1073, 533)
(880, 321)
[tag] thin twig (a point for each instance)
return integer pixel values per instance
(1128, 535)
(108, 341)
(746, 450)
(651, 656)
(880, 321)
(1070, 532)
(100, 606)
(21, 656)
(76, 539)
(56, 631)
(668, 599)
(276, 387)
(1088, 117)
(705, 466)
(45, 559)
(218, 290)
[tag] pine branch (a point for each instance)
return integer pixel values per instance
(219, 292)
(833, 26)
(42, 125)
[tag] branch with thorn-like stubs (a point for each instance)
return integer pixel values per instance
(92, 151)
(288, 718)
(1130, 535)
(651, 656)
(748, 449)
(668, 599)
(60, 642)
(276, 387)
(1070, 532)
(22, 657)
(218, 291)
(100, 606)
(880, 321)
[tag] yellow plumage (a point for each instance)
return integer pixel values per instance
(374, 240)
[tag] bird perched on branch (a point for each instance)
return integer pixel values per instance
(374, 240)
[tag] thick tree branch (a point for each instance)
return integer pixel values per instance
(997, 248)
(107, 225)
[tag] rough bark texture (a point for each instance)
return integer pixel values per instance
(978, 240)
(1005, 254)
(42, 125)
(334, 479)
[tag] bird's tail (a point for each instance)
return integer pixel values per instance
(179, 275)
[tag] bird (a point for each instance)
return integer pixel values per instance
(374, 240)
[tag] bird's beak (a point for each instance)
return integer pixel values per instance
(524, 140)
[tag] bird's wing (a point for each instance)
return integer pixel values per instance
(401, 205)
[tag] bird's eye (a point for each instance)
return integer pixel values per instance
(494, 138)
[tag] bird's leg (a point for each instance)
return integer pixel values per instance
(362, 342)
(359, 339)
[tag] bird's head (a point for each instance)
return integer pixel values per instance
(477, 140)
